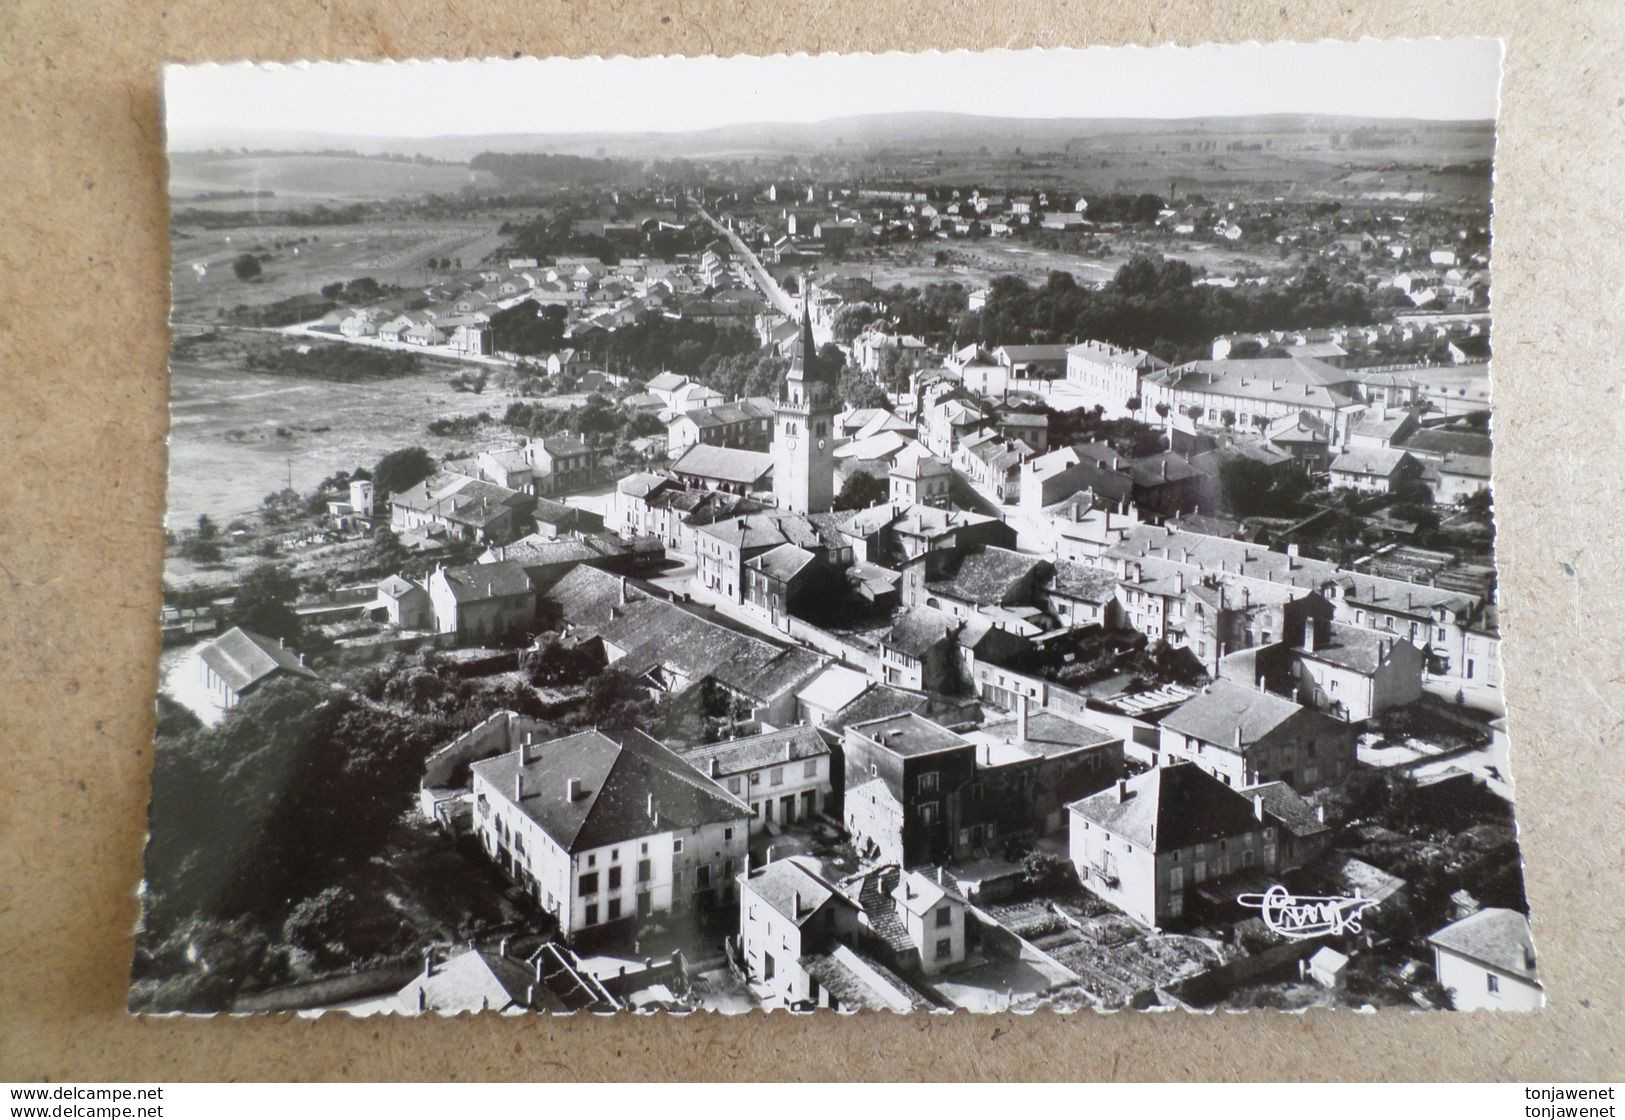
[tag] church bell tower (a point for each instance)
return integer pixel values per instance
(804, 428)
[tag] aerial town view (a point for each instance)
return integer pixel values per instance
(914, 559)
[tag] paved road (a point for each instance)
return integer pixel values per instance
(765, 283)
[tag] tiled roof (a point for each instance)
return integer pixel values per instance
(918, 631)
(1353, 647)
(986, 574)
(1171, 807)
(1083, 581)
(1214, 714)
(1493, 936)
(1050, 735)
(793, 889)
(910, 734)
(473, 583)
(736, 756)
(243, 658)
(1282, 802)
(618, 784)
(1378, 461)
(781, 563)
(725, 464)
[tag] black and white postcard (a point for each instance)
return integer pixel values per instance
(899, 532)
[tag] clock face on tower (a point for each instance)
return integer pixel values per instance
(820, 445)
(791, 443)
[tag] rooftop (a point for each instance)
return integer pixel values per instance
(243, 658)
(1170, 807)
(625, 790)
(1494, 936)
(910, 735)
(1214, 714)
(737, 756)
(724, 464)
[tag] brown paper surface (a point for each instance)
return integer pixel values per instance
(84, 410)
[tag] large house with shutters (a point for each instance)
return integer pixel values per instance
(605, 835)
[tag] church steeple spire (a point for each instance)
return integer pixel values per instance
(804, 357)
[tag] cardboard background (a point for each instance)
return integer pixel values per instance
(83, 414)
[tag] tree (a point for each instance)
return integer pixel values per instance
(388, 554)
(246, 267)
(1227, 418)
(1162, 409)
(264, 603)
(860, 491)
(206, 530)
(201, 551)
(555, 665)
(401, 470)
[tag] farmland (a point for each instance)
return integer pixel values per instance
(235, 435)
(309, 179)
(310, 257)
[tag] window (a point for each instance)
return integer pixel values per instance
(945, 916)
(592, 861)
(778, 776)
(728, 869)
(810, 770)
(928, 812)
(677, 845)
(733, 784)
(927, 782)
(643, 871)
(755, 808)
(727, 834)
(592, 914)
(1492, 982)
(588, 884)
(945, 948)
(643, 848)
(755, 779)
(702, 877)
(614, 909)
(614, 878)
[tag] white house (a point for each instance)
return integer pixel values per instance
(604, 834)
(1487, 962)
(784, 775)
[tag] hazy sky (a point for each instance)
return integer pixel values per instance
(1429, 78)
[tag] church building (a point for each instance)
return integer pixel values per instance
(803, 429)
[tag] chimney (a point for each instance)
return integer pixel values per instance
(572, 789)
(1021, 717)
(280, 643)
(1258, 805)
(519, 785)
(1320, 813)
(713, 768)
(502, 948)
(530, 995)
(795, 903)
(1122, 791)
(1238, 738)
(623, 591)
(1165, 470)
(423, 999)
(1179, 582)
(1309, 635)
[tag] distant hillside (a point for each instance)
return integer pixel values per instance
(921, 131)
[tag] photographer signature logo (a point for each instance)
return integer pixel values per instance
(1297, 917)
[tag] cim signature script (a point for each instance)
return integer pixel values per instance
(1298, 917)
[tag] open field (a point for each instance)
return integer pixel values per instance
(975, 263)
(307, 179)
(392, 254)
(235, 434)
